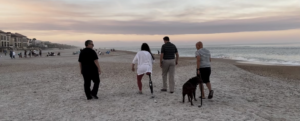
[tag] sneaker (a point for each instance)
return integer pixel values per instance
(163, 90)
(95, 97)
(89, 98)
(211, 93)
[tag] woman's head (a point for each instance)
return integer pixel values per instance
(146, 47)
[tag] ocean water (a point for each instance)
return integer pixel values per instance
(266, 54)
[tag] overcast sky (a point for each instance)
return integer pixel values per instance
(131, 22)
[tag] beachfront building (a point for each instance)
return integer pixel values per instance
(10, 40)
(4, 39)
(14, 40)
(23, 40)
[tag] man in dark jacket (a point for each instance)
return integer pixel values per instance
(90, 69)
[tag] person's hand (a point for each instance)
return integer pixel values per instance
(198, 71)
(133, 69)
(160, 64)
(176, 62)
(99, 71)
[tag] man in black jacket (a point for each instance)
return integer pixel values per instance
(90, 69)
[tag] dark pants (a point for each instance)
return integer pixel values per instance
(205, 74)
(87, 85)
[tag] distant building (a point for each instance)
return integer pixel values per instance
(13, 40)
(24, 41)
(4, 39)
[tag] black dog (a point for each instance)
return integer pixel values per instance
(189, 88)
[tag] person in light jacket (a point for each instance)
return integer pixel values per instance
(144, 60)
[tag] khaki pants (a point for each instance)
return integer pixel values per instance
(168, 66)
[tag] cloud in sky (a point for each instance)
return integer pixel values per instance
(144, 17)
(160, 27)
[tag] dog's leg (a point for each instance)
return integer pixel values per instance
(191, 98)
(183, 96)
(195, 95)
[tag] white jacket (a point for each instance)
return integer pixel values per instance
(144, 62)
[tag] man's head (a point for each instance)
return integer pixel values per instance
(166, 39)
(199, 45)
(89, 44)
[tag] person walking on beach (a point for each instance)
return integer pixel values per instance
(144, 60)
(13, 55)
(5, 51)
(204, 68)
(40, 52)
(90, 69)
(29, 53)
(25, 53)
(167, 63)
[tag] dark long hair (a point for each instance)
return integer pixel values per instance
(146, 47)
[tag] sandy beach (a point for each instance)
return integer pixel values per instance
(51, 89)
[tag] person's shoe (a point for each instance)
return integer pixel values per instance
(89, 98)
(95, 97)
(211, 93)
(140, 92)
(163, 90)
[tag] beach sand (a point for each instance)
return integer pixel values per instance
(51, 88)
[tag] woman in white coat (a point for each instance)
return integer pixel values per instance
(144, 60)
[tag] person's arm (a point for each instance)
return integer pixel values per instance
(161, 59)
(97, 64)
(95, 58)
(198, 64)
(80, 65)
(135, 61)
(177, 57)
(162, 51)
(133, 67)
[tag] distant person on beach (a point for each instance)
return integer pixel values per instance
(167, 63)
(158, 52)
(204, 68)
(144, 60)
(25, 53)
(20, 55)
(13, 54)
(29, 53)
(32, 53)
(40, 52)
(5, 51)
(90, 69)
